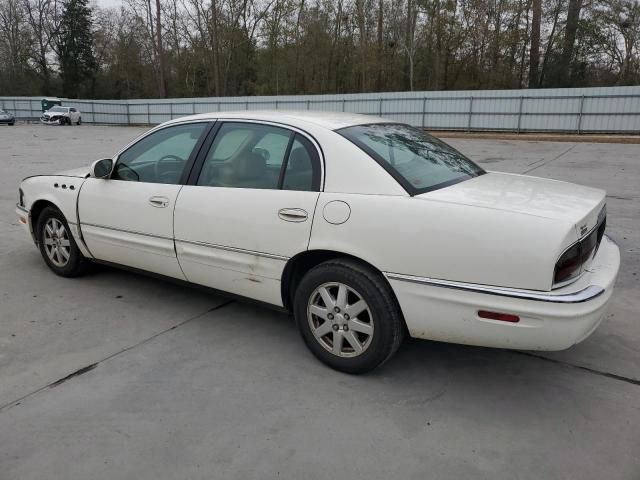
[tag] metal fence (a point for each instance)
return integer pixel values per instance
(580, 110)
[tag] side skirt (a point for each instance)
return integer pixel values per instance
(194, 286)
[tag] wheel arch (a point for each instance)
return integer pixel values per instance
(298, 265)
(36, 209)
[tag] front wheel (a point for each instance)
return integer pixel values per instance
(57, 246)
(348, 316)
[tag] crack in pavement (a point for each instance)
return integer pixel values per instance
(613, 376)
(545, 162)
(92, 366)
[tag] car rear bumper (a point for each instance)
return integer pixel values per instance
(448, 311)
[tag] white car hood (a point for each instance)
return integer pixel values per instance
(536, 196)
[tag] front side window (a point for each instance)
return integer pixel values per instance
(160, 157)
(418, 161)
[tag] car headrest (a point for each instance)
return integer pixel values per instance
(250, 166)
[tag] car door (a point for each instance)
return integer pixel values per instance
(128, 218)
(248, 208)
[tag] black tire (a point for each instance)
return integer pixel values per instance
(79, 121)
(12, 124)
(76, 264)
(385, 314)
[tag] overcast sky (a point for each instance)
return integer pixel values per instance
(108, 3)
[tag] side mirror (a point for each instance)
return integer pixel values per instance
(101, 168)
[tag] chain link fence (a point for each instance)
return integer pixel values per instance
(584, 110)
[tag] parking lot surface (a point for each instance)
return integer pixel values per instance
(117, 375)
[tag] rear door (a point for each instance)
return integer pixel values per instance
(248, 208)
(128, 218)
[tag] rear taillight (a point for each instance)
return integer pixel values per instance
(568, 266)
(571, 262)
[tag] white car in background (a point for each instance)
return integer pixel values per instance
(366, 230)
(61, 116)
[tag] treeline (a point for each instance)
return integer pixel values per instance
(185, 48)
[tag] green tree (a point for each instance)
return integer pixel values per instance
(75, 49)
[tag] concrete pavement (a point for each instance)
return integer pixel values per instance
(173, 382)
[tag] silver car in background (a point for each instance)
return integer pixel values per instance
(61, 116)
(7, 118)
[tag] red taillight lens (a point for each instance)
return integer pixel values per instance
(568, 266)
(503, 317)
(588, 246)
(571, 263)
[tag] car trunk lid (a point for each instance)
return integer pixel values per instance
(527, 195)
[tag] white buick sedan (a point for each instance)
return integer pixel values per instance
(365, 229)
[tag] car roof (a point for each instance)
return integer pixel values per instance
(328, 120)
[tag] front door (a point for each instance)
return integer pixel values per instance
(128, 218)
(249, 209)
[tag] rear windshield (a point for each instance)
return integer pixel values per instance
(418, 161)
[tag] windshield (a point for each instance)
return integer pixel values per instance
(59, 109)
(418, 161)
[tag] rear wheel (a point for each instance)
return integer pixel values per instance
(348, 316)
(79, 120)
(57, 246)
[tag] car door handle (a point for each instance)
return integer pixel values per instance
(293, 214)
(159, 202)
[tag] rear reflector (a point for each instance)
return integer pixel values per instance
(22, 220)
(503, 317)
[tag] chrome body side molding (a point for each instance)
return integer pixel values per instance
(584, 295)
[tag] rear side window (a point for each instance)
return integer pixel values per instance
(418, 161)
(245, 155)
(302, 169)
(252, 155)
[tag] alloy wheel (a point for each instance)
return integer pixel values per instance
(340, 319)
(57, 244)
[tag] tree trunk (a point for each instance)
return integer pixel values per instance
(363, 44)
(215, 40)
(380, 48)
(297, 63)
(573, 16)
(534, 52)
(550, 43)
(409, 45)
(162, 84)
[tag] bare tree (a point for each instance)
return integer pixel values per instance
(534, 49)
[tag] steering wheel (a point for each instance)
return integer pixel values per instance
(168, 168)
